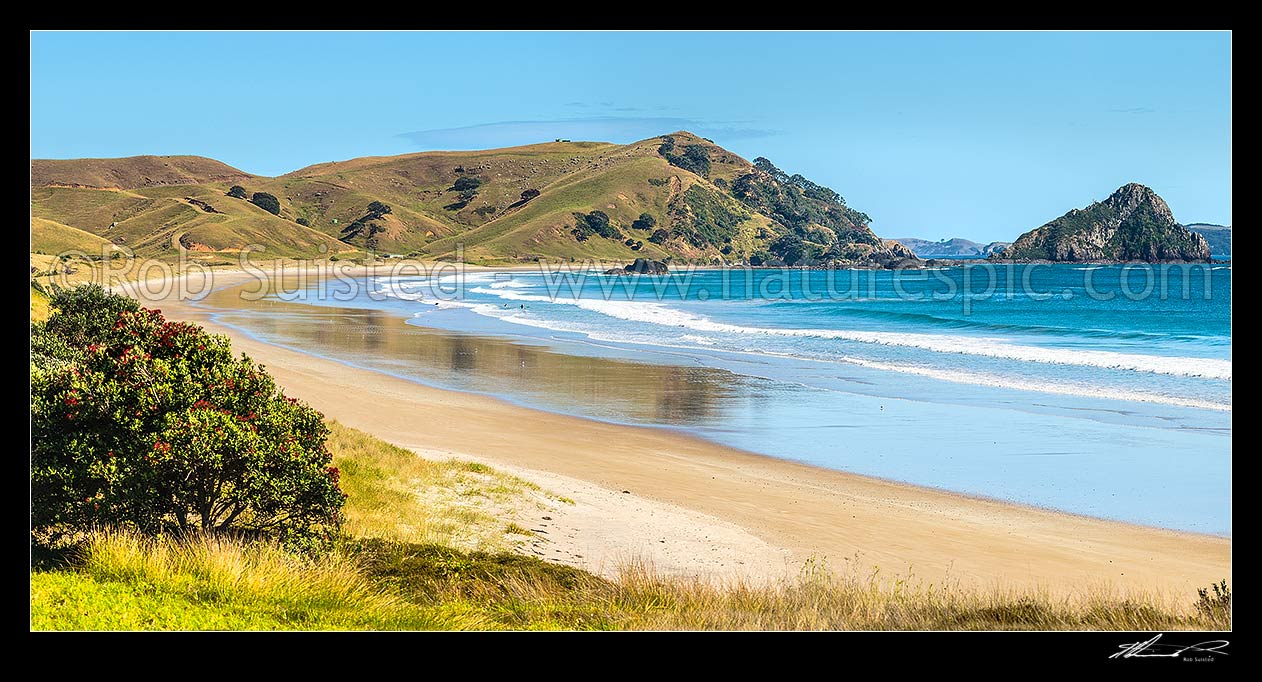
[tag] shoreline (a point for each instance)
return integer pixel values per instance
(770, 511)
(683, 432)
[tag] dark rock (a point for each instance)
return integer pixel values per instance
(641, 266)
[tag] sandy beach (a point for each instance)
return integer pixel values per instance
(690, 507)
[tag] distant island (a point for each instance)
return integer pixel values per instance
(1132, 224)
(955, 247)
(1218, 236)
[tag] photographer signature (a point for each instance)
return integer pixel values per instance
(1153, 649)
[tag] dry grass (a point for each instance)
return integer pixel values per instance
(394, 494)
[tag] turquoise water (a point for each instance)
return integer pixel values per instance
(1100, 390)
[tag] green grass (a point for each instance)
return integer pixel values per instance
(41, 305)
(53, 238)
(426, 550)
(122, 582)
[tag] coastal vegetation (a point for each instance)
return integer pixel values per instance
(415, 543)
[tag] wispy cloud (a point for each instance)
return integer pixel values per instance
(603, 128)
(1133, 110)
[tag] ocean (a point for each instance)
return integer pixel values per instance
(1091, 389)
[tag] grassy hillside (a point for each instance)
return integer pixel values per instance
(51, 237)
(132, 172)
(159, 221)
(675, 196)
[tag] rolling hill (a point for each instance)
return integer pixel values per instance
(675, 196)
(956, 247)
(158, 221)
(132, 172)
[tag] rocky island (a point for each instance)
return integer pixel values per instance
(641, 266)
(1133, 224)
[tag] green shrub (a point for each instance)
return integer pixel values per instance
(236, 192)
(150, 424)
(646, 221)
(304, 222)
(596, 222)
(267, 202)
(695, 157)
(467, 182)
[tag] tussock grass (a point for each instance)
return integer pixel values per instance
(126, 582)
(819, 599)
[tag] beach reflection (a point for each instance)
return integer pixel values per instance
(607, 388)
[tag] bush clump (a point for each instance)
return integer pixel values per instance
(142, 423)
(267, 202)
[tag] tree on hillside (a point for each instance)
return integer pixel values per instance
(659, 236)
(466, 182)
(696, 158)
(154, 425)
(646, 221)
(598, 221)
(267, 202)
(376, 209)
(529, 194)
(237, 192)
(304, 222)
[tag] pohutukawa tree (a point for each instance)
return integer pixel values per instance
(151, 424)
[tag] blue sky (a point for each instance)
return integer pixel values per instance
(980, 135)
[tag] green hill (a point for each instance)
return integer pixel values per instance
(677, 195)
(159, 221)
(54, 238)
